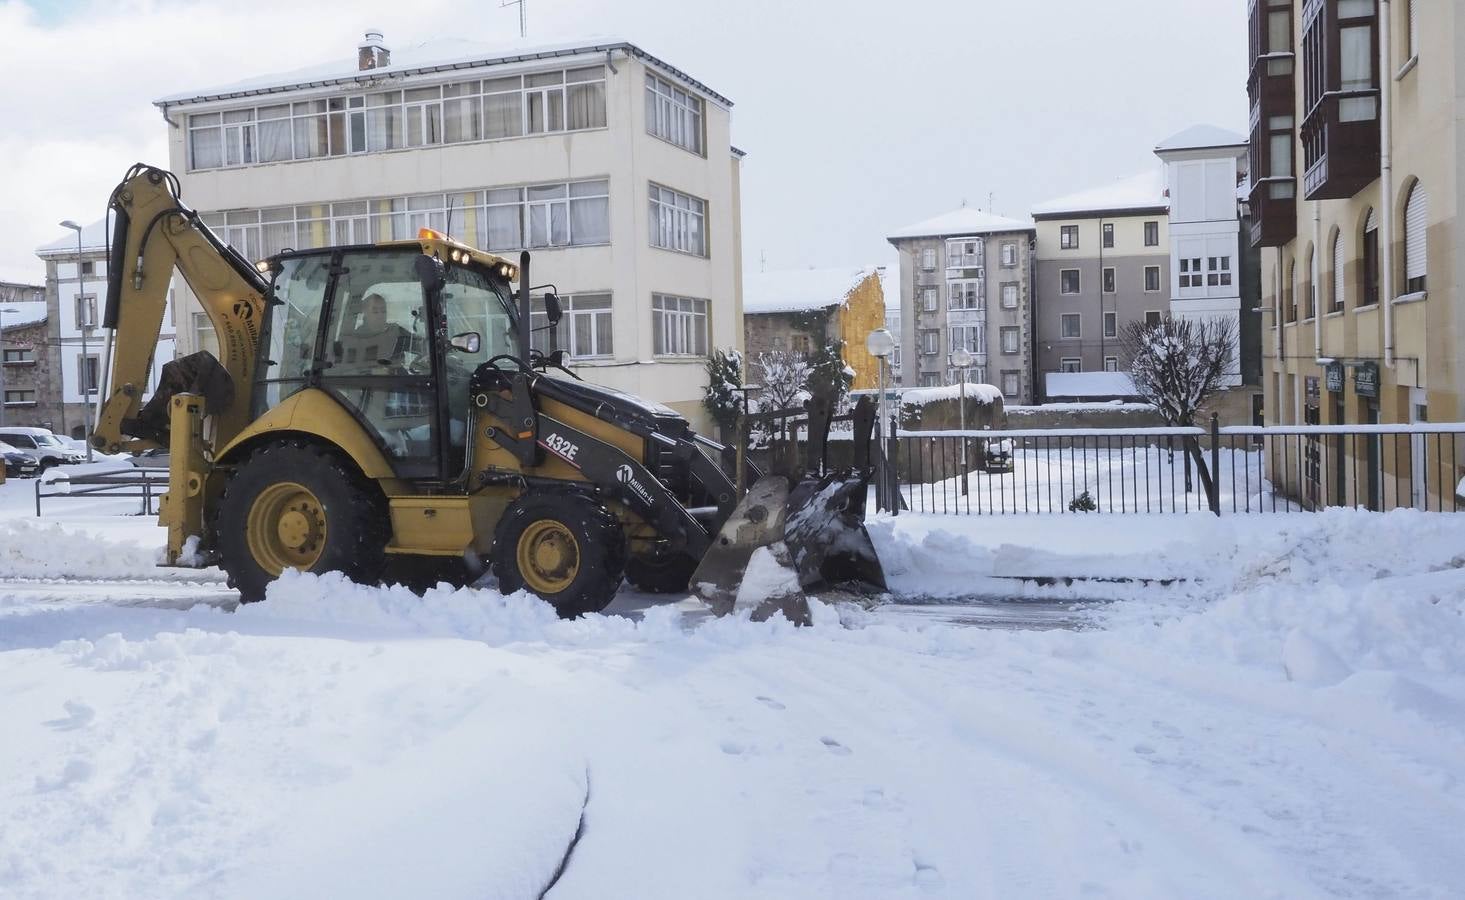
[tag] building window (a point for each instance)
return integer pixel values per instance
(963, 254)
(1416, 231)
(1218, 271)
(88, 267)
(204, 337)
(928, 258)
(966, 294)
(673, 114)
(678, 221)
(1010, 382)
(1011, 339)
(1072, 325)
(575, 213)
(1070, 364)
(1370, 293)
(1311, 283)
(513, 106)
(1190, 272)
(584, 330)
(87, 372)
(1108, 280)
(1152, 279)
(1152, 234)
(1111, 324)
(1337, 299)
(1108, 231)
(1152, 318)
(972, 338)
(1009, 254)
(678, 325)
(928, 299)
(930, 379)
(930, 342)
(1068, 281)
(1111, 364)
(1009, 295)
(1068, 237)
(20, 397)
(21, 356)
(86, 311)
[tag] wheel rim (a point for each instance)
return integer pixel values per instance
(548, 556)
(286, 528)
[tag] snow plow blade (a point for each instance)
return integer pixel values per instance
(815, 533)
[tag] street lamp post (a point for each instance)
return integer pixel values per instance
(880, 345)
(83, 309)
(962, 358)
(3, 310)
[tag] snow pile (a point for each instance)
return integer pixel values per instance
(979, 393)
(31, 548)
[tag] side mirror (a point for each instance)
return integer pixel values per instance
(557, 357)
(552, 310)
(467, 342)
(430, 273)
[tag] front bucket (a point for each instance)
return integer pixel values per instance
(758, 521)
(826, 536)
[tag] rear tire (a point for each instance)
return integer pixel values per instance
(297, 505)
(566, 548)
(661, 574)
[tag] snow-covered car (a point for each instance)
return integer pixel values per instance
(18, 464)
(41, 445)
(151, 459)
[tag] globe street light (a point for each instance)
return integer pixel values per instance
(881, 343)
(82, 307)
(962, 359)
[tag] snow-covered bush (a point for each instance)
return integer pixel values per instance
(723, 400)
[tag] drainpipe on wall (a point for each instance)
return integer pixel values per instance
(1386, 179)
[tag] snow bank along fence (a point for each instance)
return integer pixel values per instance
(1234, 469)
(146, 484)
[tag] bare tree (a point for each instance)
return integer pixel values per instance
(785, 377)
(1177, 365)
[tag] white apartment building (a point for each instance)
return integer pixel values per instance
(75, 304)
(1203, 166)
(614, 168)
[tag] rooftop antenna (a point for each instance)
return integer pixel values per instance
(523, 23)
(989, 201)
(763, 260)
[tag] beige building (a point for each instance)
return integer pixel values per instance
(966, 280)
(1356, 179)
(612, 166)
(1103, 261)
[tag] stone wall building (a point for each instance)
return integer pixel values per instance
(30, 390)
(804, 310)
(966, 279)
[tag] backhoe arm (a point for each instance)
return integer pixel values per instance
(153, 234)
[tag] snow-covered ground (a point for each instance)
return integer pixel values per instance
(1265, 706)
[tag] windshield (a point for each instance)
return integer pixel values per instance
(50, 440)
(477, 301)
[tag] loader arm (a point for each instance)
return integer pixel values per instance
(154, 234)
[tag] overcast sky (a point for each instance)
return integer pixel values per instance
(858, 117)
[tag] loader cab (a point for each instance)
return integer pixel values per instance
(392, 332)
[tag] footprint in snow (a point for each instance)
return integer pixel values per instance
(770, 703)
(835, 747)
(929, 878)
(78, 715)
(733, 748)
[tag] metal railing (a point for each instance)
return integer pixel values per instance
(1241, 469)
(146, 484)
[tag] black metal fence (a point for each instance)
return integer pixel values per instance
(145, 484)
(1163, 470)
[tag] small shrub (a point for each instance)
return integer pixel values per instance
(1083, 503)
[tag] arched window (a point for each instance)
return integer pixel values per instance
(1312, 279)
(1416, 231)
(1337, 298)
(1369, 295)
(1292, 290)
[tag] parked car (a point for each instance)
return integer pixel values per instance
(18, 464)
(41, 445)
(156, 458)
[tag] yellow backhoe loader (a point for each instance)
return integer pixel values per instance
(378, 410)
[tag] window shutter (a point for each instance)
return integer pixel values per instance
(1416, 212)
(1338, 271)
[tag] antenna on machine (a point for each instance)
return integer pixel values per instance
(523, 13)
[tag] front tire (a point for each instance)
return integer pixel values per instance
(300, 506)
(565, 547)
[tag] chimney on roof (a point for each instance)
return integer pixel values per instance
(373, 54)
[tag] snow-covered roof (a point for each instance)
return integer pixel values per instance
(1201, 137)
(981, 393)
(1144, 191)
(960, 222)
(28, 313)
(93, 238)
(800, 290)
(444, 54)
(1090, 384)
